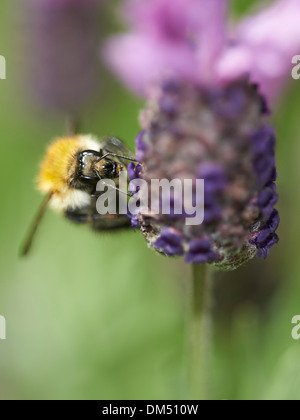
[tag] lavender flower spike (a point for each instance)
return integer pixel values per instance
(220, 135)
(206, 120)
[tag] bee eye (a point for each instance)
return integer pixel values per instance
(109, 166)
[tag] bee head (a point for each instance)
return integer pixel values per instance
(93, 166)
(76, 163)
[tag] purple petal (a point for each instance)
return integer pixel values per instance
(134, 222)
(200, 252)
(266, 169)
(134, 171)
(168, 19)
(264, 46)
(141, 146)
(264, 244)
(267, 200)
(170, 38)
(263, 141)
(212, 36)
(213, 175)
(170, 242)
(274, 221)
(141, 60)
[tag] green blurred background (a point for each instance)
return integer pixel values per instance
(100, 316)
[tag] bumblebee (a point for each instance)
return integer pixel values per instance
(69, 175)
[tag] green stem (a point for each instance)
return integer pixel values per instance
(201, 332)
(72, 126)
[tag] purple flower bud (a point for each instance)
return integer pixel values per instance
(140, 146)
(63, 49)
(220, 135)
(170, 242)
(200, 252)
(266, 201)
(134, 171)
(215, 178)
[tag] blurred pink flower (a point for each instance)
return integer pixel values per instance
(264, 47)
(190, 39)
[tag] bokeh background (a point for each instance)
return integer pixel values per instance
(100, 316)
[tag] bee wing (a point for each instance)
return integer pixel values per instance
(117, 147)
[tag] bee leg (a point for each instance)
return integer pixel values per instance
(97, 194)
(109, 222)
(98, 221)
(76, 217)
(87, 217)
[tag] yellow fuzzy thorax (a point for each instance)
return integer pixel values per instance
(55, 168)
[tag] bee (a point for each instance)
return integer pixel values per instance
(69, 175)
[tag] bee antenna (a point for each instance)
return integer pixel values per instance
(111, 186)
(25, 248)
(118, 156)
